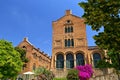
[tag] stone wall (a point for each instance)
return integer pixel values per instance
(111, 76)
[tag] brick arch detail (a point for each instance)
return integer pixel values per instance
(82, 52)
(97, 51)
(69, 52)
(84, 55)
(59, 53)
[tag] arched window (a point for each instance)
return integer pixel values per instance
(96, 58)
(60, 61)
(69, 60)
(80, 59)
(34, 66)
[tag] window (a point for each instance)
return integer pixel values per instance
(34, 66)
(72, 42)
(80, 59)
(60, 61)
(24, 66)
(24, 47)
(65, 42)
(96, 58)
(68, 29)
(71, 29)
(69, 42)
(35, 55)
(40, 58)
(69, 60)
(68, 22)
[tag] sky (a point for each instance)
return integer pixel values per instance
(33, 19)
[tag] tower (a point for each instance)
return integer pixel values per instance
(69, 42)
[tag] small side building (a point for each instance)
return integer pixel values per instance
(36, 57)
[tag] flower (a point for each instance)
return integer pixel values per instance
(84, 71)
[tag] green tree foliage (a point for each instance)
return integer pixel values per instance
(106, 14)
(22, 53)
(72, 74)
(10, 62)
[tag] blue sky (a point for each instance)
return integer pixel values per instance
(33, 19)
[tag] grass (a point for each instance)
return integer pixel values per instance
(60, 79)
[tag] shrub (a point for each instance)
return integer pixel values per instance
(85, 72)
(72, 74)
(43, 74)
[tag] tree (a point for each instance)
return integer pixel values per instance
(106, 14)
(22, 54)
(10, 62)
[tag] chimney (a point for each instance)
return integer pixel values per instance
(68, 12)
(25, 39)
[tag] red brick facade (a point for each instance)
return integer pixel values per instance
(68, 41)
(35, 56)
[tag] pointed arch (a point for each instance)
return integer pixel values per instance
(34, 66)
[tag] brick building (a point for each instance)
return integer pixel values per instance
(69, 45)
(36, 57)
(69, 48)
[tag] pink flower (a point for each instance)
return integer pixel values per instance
(84, 71)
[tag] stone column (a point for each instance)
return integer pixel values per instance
(74, 60)
(64, 62)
